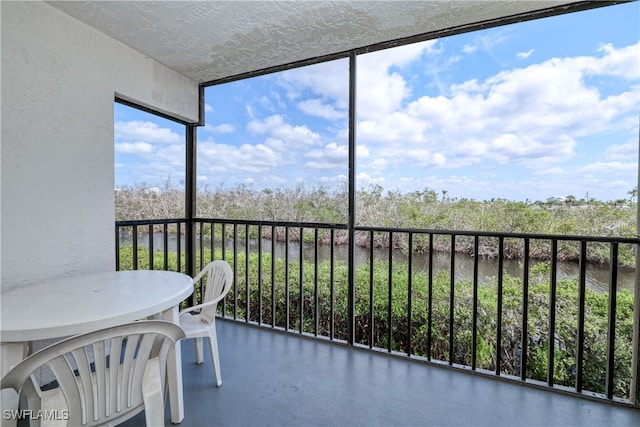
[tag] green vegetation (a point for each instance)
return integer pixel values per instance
(410, 333)
(417, 210)
(412, 327)
(375, 207)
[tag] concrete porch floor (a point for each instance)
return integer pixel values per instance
(275, 379)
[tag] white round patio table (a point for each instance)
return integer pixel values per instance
(78, 304)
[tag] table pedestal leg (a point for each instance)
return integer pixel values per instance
(174, 372)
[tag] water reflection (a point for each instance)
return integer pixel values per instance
(597, 275)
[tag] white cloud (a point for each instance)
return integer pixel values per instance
(316, 107)
(362, 151)
(379, 164)
(524, 123)
(520, 148)
(620, 62)
(331, 156)
(485, 42)
(424, 157)
(364, 179)
(380, 93)
(380, 89)
(276, 144)
(249, 111)
(138, 130)
(133, 148)
(336, 181)
(622, 152)
(327, 80)
(525, 55)
(283, 134)
(397, 127)
(469, 48)
(531, 116)
(610, 168)
(550, 171)
(221, 128)
(223, 159)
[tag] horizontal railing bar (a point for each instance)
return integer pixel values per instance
(533, 236)
(131, 222)
(274, 223)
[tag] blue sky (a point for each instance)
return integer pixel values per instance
(534, 110)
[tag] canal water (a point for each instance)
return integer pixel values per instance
(597, 275)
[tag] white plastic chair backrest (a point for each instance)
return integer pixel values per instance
(100, 373)
(218, 279)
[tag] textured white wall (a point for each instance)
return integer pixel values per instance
(59, 78)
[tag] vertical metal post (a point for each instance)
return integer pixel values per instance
(134, 242)
(165, 247)
(151, 250)
(190, 202)
(352, 197)
(273, 276)
(117, 247)
(301, 279)
(286, 278)
(634, 393)
(611, 329)
(430, 299)
(235, 271)
(332, 329)
(524, 341)
(552, 312)
(316, 287)
(390, 294)
(409, 294)
(452, 295)
(247, 289)
(582, 286)
(260, 301)
(474, 320)
(499, 304)
(371, 293)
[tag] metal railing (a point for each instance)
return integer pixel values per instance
(131, 232)
(535, 326)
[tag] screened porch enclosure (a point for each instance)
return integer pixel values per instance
(534, 327)
(380, 340)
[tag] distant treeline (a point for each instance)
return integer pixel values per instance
(376, 207)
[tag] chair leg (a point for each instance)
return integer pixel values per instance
(199, 356)
(153, 394)
(215, 357)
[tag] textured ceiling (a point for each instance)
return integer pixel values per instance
(208, 40)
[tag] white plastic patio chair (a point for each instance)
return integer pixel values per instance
(101, 378)
(218, 278)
